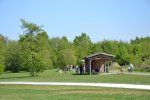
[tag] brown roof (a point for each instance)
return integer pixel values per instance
(100, 53)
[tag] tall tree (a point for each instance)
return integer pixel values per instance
(3, 41)
(83, 46)
(34, 45)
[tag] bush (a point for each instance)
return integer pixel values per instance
(142, 69)
(1, 68)
(147, 69)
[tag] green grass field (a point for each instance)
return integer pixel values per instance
(53, 76)
(29, 92)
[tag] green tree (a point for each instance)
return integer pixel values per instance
(144, 46)
(68, 57)
(109, 46)
(55, 45)
(121, 54)
(13, 57)
(141, 54)
(61, 49)
(136, 55)
(45, 50)
(34, 46)
(83, 46)
(3, 41)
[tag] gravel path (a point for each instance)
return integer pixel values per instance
(112, 85)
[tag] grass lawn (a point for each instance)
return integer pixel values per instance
(53, 76)
(29, 92)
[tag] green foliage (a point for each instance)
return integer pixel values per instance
(68, 57)
(29, 52)
(55, 45)
(30, 28)
(142, 54)
(1, 68)
(118, 48)
(35, 48)
(83, 46)
(63, 52)
(122, 55)
(107, 46)
(13, 57)
(145, 46)
(3, 41)
(44, 50)
(35, 52)
(136, 54)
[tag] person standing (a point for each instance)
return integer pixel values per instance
(81, 69)
(130, 68)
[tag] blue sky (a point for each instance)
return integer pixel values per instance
(100, 19)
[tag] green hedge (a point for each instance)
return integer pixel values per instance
(142, 69)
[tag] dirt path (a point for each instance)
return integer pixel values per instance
(112, 85)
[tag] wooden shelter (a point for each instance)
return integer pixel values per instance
(98, 62)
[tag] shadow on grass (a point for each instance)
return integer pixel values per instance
(86, 74)
(14, 77)
(81, 74)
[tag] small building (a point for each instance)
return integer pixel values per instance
(98, 62)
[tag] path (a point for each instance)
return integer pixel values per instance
(112, 85)
(138, 73)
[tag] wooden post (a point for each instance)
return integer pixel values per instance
(104, 66)
(90, 66)
(107, 66)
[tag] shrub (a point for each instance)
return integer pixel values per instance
(1, 68)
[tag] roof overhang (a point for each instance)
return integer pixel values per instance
(100, 56)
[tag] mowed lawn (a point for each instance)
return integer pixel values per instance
(29, 92)
(53, 76)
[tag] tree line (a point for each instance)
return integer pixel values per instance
(35, 51)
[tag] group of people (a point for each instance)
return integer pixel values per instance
(78, 69)
(69, 68)
(82, 70)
